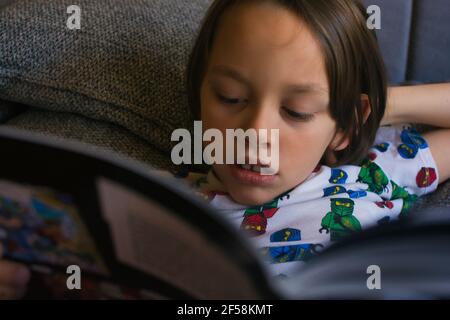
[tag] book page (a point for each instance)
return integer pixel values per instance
(155, 240)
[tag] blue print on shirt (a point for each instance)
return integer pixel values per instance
(338, 176)
(357, 194)
(382, 147)
(288, 234)
(300, 252)
(412, 137)
(412, 142)
(331, 191)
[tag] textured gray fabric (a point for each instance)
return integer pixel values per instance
(96, 133)
(125, 66)
(414, 39)
(430, 41)
(9, 109)
(5, 2)
(439, 198)
(394, 35)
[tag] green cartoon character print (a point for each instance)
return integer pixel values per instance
(408, 199)
(373, 176)
(340, 222)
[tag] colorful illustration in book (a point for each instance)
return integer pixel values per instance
(41, 226)
(340, 222)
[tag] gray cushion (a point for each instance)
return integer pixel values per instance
(125, 66)
(5, 2)
(430, 42)
(394, 35)
(97, 134)
(414, 39)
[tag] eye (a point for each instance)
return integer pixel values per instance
(226, 100)
(298, 116)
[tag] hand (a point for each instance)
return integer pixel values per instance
(14, 278)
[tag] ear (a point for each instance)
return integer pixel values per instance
(365, 105)
(340, 142)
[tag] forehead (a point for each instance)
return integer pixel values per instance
(266, 39)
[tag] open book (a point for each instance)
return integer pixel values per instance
(131, 233)
(93, 225)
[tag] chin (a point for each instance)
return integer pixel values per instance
(251, 196)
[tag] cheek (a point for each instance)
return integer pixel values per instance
(212, 119)
(214, 116)
(210, 111)
(303, 150)
(205, 104)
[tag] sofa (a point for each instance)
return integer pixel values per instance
(117, 83)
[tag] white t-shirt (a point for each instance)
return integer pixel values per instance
(335, 202)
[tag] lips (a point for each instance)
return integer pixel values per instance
(262, 170)
(248, 174)
(254, 168)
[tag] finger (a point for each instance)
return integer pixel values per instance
(13, 274)
(11, 293)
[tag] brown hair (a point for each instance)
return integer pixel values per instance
(352, 57)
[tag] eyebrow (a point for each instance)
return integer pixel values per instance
(295, 88)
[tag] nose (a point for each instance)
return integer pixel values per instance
(261, 118)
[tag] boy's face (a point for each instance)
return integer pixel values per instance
(269, 68)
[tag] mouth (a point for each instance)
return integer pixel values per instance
(254, 168)
(253, 174)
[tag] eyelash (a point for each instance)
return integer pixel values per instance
(227, 100)
(296, 116)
